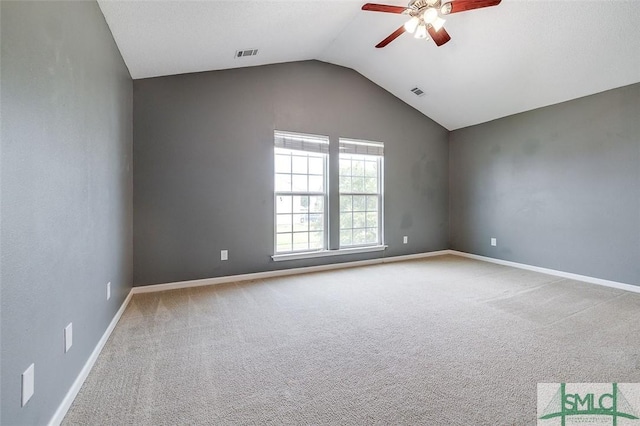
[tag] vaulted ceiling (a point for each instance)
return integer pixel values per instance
(520, 55)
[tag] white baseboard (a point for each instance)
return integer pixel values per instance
(281, 272)
(84, 373)
(569, 275)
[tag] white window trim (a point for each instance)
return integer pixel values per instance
(324, 194)
(379, 246)
(324, 253)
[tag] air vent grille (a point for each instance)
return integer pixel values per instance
(417, 91)
(246, 52)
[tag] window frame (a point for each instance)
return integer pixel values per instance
(324, 195)
(379, 194)
(328, 156)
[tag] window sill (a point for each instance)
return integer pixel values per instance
(324, 253)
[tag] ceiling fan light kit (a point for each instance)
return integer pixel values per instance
(425, 17)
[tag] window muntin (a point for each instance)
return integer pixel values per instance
(360, 183)
(300, 192)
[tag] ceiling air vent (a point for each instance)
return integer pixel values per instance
(417, 91)
(248, 52)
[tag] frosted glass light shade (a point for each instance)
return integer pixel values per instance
(421, 32)
(430, 15)
(411, 25)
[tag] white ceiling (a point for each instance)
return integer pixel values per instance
(520, 55)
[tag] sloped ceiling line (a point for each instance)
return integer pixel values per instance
(518, 56)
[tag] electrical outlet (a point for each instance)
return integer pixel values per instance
(494, 242)
(68, 337)
(28, 386)
(109, 290)
(405, 240)
(224, 254)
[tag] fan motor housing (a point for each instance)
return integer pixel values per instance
(418, 5)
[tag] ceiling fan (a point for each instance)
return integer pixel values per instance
(426, 17)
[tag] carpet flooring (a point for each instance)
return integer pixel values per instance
(440, 341)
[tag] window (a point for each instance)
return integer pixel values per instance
(302, 197)
(300, 192)
(360, 193)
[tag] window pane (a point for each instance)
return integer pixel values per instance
(357, 184)
(345, 184)
(345, 166)
(283, 242)
(371, 169)
(358, 220)
(372, 219)
(283, 183)
(345, 203)
(283, 223)
(345, 237)
(300, 203)
(371, 235)
(300, 240)
(316, 240)
(359, 203)
(345, 220)
(371, 185)
(299, 164)
(283, 164)
(316, 183)
(300, 222)
(316, 222)
(358, 168)
(316, 166)
(359, 237)
(299, 183)
(283, 204)
(372, 202)
(316, 204)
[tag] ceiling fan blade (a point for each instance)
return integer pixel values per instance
(440, 37)
(394, 35)
(464, 5)
(373, 7)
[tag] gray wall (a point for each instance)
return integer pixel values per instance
(66, 195)
(559, 187)
(203, 165)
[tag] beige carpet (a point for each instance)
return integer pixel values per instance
(444, 340)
